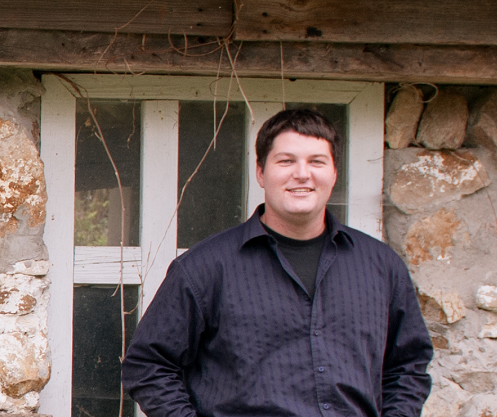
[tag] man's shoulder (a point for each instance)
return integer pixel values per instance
(367, 243)
(228, 240)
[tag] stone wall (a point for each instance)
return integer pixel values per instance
(440, 215)
(24, 352)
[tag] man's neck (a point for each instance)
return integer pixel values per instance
(301, 230)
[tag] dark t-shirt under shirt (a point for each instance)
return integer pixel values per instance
(303, 256)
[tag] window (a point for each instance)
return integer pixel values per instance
(174, 117)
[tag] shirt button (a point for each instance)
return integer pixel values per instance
(321, 369)
(317, 332)
(326, 406)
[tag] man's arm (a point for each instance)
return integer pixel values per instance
(405, 383)
(164, 344)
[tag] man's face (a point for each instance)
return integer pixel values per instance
(298, 178)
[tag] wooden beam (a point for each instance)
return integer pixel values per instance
(202, 17)
(471, 22)
(70, 51)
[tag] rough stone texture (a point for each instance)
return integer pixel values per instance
(20, 95)
(443, 123)
(434, 179)
(22, 197)
(432, 237)
(450, 247)
(488, 330)
(23, 415)
(445, 402)
(486, 297)
(441, 307)
(24, 352)
(30, 267)
(403, 118)
(480, 405)
(24, 366)
(482, 122)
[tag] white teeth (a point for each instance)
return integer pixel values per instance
(301, 190)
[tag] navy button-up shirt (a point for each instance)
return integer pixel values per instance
(232, 332)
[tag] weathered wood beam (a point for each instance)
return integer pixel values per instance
(199, 17)
(375, 21)
(154, 54)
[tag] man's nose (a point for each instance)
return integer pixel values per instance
(302, 171)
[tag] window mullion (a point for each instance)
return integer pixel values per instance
(159, 192)
(366, 160)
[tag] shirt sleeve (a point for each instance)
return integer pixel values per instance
(405, 382)
(165, 343)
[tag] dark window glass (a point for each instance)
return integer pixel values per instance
(213, 200)
(98, 199)
(97, 348)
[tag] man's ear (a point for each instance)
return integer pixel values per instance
(259, 174)
(334, 178)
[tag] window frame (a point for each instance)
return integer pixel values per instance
(160, 109)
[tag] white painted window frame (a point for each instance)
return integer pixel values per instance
(160, 109)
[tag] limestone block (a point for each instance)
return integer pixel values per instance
(31, 267)
(23, 406)
(23, 415)
(21, 181)
(443, 123)
(12, 301)
(435, 179)
(439, 306)
(432, 238)
(480, 405)
(476, 382)
(19, 294)
(488, 331)
(18, 90)
(24, 365)
(445, 402)
(482, 122)
(403, 118)
(486, 297)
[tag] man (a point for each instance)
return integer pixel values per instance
(288, 314)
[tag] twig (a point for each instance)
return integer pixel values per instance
(185, 51)
(116, 30)
(233, 69)
(190, 178)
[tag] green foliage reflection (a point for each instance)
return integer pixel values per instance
(91, 217)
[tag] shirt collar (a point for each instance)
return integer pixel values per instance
(253, 228)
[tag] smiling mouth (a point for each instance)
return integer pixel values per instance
(300, 190)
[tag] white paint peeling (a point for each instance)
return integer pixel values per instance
(433, 166)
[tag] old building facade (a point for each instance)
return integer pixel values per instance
(414, 97)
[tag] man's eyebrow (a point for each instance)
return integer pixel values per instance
(317, 155)
(285, 153)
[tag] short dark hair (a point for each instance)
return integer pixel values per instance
(303, 121)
